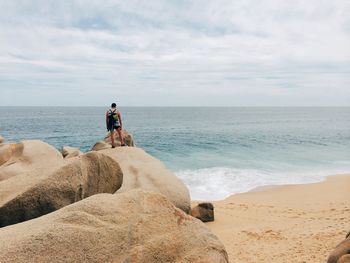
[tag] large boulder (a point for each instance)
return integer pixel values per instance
(341, 253)
(34, 191)
(2, 139)
(69, 152)
(107, 143)
(142, 171)
(26, 159)
(135, 226)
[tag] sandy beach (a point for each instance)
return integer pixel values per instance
(292, 223)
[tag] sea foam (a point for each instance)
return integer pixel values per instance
(220, 182)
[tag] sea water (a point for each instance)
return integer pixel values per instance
(215, 151)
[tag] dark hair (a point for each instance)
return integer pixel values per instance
(113, 105)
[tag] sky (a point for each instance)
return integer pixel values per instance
(175, 53)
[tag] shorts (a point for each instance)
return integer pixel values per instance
(113, 127)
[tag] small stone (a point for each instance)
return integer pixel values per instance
(204, 212)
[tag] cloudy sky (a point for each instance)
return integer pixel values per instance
(178, 53)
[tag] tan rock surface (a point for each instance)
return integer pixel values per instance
(344, 259)
(36, 180)
(8, 151)
(69, 152)
(27, 158)
(23, 165)
(142, 171)
(134, 226)
(101, 145)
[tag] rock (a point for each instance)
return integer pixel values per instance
(127, 137)
(101, 145)
(134, 226)
(31, 195)
(7, 151)
(1, 139)
(107, 143)
(341, 253)
(27, 157)
(204, 212)
(69, 152)
(142, 171)
(344, 259)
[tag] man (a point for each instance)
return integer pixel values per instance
(114, 122)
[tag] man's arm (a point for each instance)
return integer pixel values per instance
(120, 120)
(107, 120)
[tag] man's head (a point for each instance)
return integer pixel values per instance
(113, 105)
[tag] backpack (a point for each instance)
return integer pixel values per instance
(112, 117)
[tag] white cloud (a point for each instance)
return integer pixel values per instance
(170, 52)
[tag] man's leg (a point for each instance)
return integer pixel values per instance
(112, 138)
(119, 130)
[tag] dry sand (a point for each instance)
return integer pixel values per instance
(292, 223)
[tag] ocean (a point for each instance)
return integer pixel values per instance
(215, 151)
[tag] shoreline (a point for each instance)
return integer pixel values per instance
(272, 186)
(267, 187)
(284, 223)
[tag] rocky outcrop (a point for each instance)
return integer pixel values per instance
(72, 222)
(142, 171)
(2, 139)
(69, 152)
(107, 143)
(204, 212)
(127, 137)
(341, 253)
(36, 180)
(133, 226)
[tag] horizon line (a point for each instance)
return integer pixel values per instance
(185, 106)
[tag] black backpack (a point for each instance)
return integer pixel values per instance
(111, 116)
